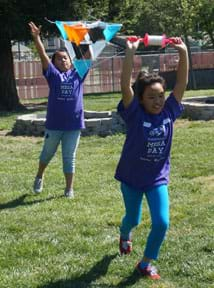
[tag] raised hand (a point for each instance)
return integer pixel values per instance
(35, 31)
(132, 45)
(177, 43)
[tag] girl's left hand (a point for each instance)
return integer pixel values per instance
(177, 43)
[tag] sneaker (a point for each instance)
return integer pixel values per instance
(125, 246)
(149, 271)
(69, 193)
(38, 185)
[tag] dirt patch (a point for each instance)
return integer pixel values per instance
(182, 123)
(4, 132)
(206, 181)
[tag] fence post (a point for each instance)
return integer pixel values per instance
(112, 73)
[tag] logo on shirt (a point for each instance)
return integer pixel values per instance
(156, 141)
(156, 132)
(66, 88)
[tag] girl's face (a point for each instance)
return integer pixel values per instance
(153, 98)
(62, 61)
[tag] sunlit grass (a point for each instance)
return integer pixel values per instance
(49, 241)
(98, 102)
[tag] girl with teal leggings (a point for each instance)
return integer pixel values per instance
(144, 166)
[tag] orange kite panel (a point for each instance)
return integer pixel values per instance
(76, 33)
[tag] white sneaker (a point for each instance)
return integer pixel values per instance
(38, 185)
(69, 193)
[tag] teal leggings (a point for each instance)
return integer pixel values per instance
(158, 202)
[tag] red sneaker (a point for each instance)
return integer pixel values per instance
(149, 271)
(125, 246)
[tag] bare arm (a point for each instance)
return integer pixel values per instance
(182, 71)
(35, 32)
(126, 85)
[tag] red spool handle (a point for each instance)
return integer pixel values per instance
(172, 41)
(134, 39)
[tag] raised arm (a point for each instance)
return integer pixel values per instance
(182, 70)
(126, 79)
(35, 32)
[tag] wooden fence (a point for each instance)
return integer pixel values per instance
(104, 77)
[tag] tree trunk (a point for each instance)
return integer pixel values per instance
(192, 84)
(9, 99)
(210, 33)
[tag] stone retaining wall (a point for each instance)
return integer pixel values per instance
(199, 108)
(97, 123)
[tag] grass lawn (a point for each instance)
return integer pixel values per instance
(99, 102)
(48, 241)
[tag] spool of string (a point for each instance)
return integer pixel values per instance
(155, 40)
(151, 40)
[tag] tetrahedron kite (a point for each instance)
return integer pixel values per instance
(85, 41)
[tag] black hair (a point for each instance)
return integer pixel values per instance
(145, 79)
(59, 50)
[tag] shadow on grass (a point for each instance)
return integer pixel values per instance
(130, 280)
(25, 109)
(20, 201)
(85, 280)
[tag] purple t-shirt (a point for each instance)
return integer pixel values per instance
(144, 161)
(65, 101)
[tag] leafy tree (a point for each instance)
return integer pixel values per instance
(14, 18)
(173, 17)
(205, 23)
(128, 13)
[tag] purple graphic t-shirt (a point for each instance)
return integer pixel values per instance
(144, 161)
(65, 101)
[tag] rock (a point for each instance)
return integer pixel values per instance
(101, 123)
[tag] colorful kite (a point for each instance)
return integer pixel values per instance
(86, 40)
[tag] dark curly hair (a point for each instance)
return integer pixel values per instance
(59, 50)
(145, 79)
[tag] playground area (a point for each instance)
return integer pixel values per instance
(50, 242)
(106, 181)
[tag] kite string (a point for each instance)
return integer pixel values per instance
(52, 22)
(99, 62)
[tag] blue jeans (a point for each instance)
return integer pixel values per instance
(69, 141)
(158, 202)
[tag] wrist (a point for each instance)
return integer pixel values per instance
(130, 52)
(36, 37)
(182, 51)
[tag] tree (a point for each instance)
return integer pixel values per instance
(205, 23)
(173, 17)
(14, 18)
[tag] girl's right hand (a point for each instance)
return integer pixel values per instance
(132, 46)
(35, 31)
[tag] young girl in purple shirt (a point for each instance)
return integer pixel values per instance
(144, 165)
(65, 113)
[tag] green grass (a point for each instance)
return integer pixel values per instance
(98, 102)
(195, 93)
(49, 241)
